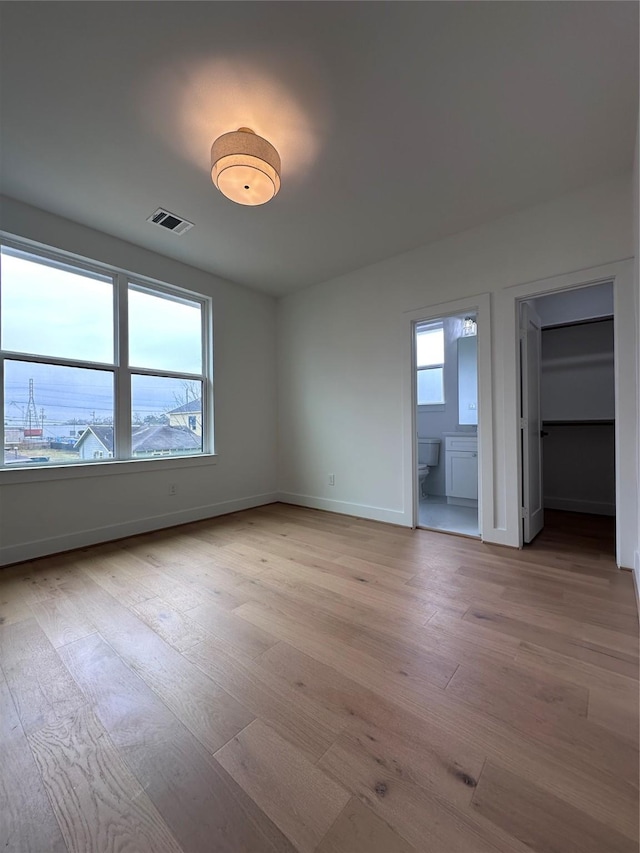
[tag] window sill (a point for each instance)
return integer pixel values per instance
(432, 407)
(78, 470)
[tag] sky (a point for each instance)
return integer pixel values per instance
(49, 311)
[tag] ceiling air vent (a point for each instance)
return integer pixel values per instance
(170, 221)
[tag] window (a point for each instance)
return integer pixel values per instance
(98, 366)
(430, 363)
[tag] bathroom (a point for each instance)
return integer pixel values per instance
(446, 419)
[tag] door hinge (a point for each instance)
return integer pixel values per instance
(524, 423)
(523, 512)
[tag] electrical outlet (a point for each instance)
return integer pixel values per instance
(173, 488)
(332, 479)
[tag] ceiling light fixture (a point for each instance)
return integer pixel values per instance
(245, 167)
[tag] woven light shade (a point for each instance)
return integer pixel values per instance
(245, 167)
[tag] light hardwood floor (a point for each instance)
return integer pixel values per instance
(289, 680)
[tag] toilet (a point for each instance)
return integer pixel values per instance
(428, 457)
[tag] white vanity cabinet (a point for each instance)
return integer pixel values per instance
(461, 469)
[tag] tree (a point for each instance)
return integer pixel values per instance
(189, 391)
(155, 420)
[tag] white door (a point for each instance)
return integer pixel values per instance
(533, 512)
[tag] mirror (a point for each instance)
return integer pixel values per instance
(468, 380)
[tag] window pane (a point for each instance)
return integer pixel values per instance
(47, 310)
(429, 347)
(165, 332)
(430, 386)
(166, 416)
(48, 409)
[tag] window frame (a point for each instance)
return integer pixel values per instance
(121, 370)
(426, 327)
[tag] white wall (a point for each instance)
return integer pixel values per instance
(577, 376)
(54, 514)
(579, 468)
(573, 305)
(344, 405)
(577, 384)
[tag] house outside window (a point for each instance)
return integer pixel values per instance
(430, 364)
(82, 343)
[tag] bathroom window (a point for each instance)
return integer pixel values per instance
(430, 363)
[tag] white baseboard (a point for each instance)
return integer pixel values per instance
(374, 513)
(55, 544)
(572, 505)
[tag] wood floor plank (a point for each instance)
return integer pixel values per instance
(310, 727)
(62, 620)
(534, 658)
(216, 584)
(306, 593)
(419, 816)
(403, 658)
(52, 580)
(573, 627)
(41, 685)
(249, 640)
(615, 713)
(359, 830)
(205, 708)
(203, 807)
(607, 654)
(405, 599)
(292, 591)
(539, 820)
(181, 595)
(115, 580)
(590, 610)
(27, 822)
(508, 565)
(300, 799)
(546, 708)
(177, 628)
(13, 607)
(98, 802)
(446, 629)
(279, 590)
(521, 693)
(386, 734)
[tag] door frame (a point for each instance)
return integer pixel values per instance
(619, 274)
(532, 516)
(480, 305)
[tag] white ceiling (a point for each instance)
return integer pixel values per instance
(397, 123)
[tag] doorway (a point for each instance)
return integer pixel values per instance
(446, 418)
(567, 408)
